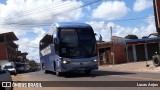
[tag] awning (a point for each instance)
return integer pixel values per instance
(142, 41)
(10, 36)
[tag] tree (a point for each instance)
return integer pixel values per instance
(131, 36)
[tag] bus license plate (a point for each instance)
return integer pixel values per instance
(81, 68)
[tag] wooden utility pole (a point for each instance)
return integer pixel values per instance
(112, 46)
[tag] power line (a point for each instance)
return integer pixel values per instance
(134, 19)
(38, 8)
(123, 21)
(67, 10)
(74, 8)
(129, 20)
(118, 21)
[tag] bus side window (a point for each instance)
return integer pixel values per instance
(56, 41)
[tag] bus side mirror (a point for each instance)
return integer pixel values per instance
(99, 37)
(56, 41)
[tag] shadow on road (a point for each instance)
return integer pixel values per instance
(94, 74)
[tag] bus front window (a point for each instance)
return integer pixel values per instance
(77, 43)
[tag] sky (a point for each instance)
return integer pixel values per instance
(31, 19)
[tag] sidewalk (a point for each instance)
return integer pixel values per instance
(133, 66)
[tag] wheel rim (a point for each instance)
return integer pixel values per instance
(156, 61)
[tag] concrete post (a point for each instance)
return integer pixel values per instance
(98, 57)
(146, 51)
(134, 53)
(127, 53)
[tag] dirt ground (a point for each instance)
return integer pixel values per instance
(133, 66)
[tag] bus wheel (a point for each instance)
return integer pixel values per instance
(46, 71)
(55, 69)
(87, 72)
(58, 73)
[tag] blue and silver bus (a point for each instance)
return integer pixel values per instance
(69, 46)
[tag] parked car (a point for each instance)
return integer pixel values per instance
(10, 67)
(22, 67)
(5, 76)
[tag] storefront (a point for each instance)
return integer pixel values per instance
(142, 49)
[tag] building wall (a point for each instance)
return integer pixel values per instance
(102, 49)
(12, 52)
(105, 57)
(109, 57)
(3, 55)
(140, 52)
(120, 53)
(130, 54)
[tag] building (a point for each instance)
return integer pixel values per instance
(121, 50)
(104, 50)
(112, 52)
(142, 49)
(22, 57)
(8, 47)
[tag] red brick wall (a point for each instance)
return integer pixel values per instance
(120, 53)
(109, 57)
(2, 52)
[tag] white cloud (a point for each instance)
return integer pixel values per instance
(18, 30)
(32, 45)
(104, 29)
(110, 10)
(39, 11)
(21, 17)
(141, 5)
(88, 8)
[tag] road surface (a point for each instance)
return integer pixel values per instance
(98, 75)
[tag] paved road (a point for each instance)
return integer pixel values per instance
(98, 75)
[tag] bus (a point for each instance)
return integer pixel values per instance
(69, 46)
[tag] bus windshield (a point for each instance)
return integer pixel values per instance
(77, 43)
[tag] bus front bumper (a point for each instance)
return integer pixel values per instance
(79, 67)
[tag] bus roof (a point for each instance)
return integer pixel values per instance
(72, 25)
(67, 25)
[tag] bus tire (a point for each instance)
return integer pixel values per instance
(2, 88)
(58, 73)
(46, 71)
(156, 62)
(55, 69)
(43, 68)
(87, 72)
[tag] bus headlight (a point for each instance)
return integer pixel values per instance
(95, 60)
(66, 61)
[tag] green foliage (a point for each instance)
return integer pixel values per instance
(131, 36)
